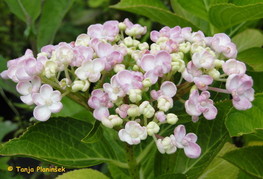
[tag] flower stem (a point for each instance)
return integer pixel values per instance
(132, 163)
(218, 90)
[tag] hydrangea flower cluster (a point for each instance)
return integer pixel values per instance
(131, 85)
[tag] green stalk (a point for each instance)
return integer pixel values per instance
(132, 163)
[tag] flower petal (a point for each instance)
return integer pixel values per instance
(42, 113)
(192, 150)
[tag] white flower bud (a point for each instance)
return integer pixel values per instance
(42, 54)
(152, 128)
(122, 26)
(136, 43)
(166, 146)
(135, 68)
(136, 55)
(196, 48)
(82, 40)
(161, 40)
(50, 69)
(164, 104)
(215, 74)
(133, 111)
(219, 63)
(178, 65)
(135, 95)
(128, 41)
(171, 118)
(64, 83)
(147, 82)
(146, 109)
(194, 87)
(144, 46)
(111, 121)
(119, 67)
(80, 85)
(155, 47)
(185, 47)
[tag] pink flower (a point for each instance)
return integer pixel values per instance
(27, 89)
(186, 141)
(122, 110)
(232, 66)
(113, 89)
(167, 89)
(107, 52)
(91, 70)
(200, 104)
(81, 54)
(241, 89)
(23, 68)
(203, 59)
(128, 80)
(156, 65)
(193, 74)
(221, 43)
(47, 101)
(64, 53)
(133, 133)
(108, 31)
(100, 102)
(170, 33)
(160, 116)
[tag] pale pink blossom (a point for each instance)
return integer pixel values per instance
(100, 102)
(133, 133)
(186, 141)
(47, 101)
(203, 59)
(156, 65)
(160, 116)
(113, 89)
(108, 31)
(167, 89)
(122, 110)
(200, 104)
(108, 53)
(221, 43)
(27, 89)
(128, 80)
(91, 70)
(166, 145)
(232, 66)
(193, 74)
(173, 34)
(63, 53)
(240, 86)
(81, 54)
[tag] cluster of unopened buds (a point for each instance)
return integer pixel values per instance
(131, 85)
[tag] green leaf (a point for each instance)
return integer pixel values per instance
(245, 122)
(196, 7)
(6, 127)
(248, 39)
(200, 23)
(95, 134)
(117, 172)
(52, 15)
(211, 138)
(253, 57)
(83, 174)
(257, 78)
(246, 2)
(172, 175)
(74, 110)
(248, 159)
(219, 168)
(58, 141)
(224, 16)
(26, 10)
(155, 10)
